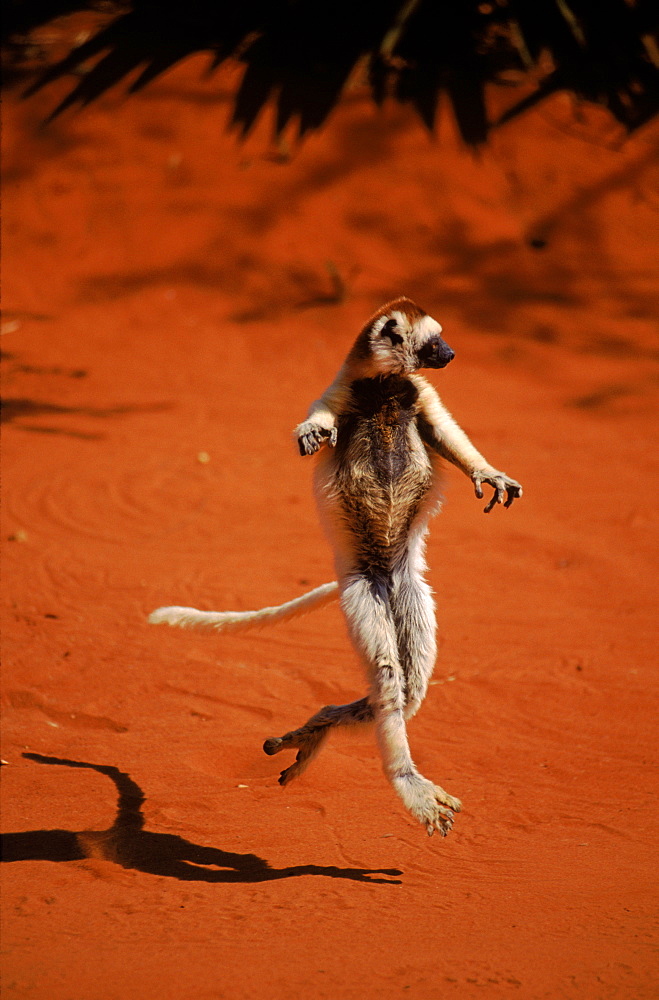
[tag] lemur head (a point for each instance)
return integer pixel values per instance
(400, 339)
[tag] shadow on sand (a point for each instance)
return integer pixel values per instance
(128, 844)
(14, 410)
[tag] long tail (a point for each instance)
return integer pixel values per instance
(235, 621)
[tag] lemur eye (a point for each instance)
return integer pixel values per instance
(388, 330)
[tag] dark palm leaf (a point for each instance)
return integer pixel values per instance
(300, 54)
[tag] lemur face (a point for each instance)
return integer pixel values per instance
(402, 339)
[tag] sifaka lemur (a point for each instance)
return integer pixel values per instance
(382, 432)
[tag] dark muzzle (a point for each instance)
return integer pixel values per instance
(435, 354)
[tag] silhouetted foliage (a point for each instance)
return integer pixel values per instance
(300, 54)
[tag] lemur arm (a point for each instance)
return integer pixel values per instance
(441, 433)
(321, 425)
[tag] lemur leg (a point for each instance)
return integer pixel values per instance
(413, 611)
(309, 738)
(371, 622)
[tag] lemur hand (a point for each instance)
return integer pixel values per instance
(312, 436)
(502, 484)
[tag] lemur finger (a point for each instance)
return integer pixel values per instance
(333, 435)
(449, 801)
(499, 490)
(513, 493)
(493, 501)
(289, 772)
(478, 488)
(445, 824)
(442, 826)
(308, 444)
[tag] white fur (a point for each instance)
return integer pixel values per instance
(236, 621)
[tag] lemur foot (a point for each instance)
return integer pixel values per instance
(308, 744)
(428, 803)
(273, 746)
(312, 436)
(293, 771)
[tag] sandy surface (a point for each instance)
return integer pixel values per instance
(173, 303)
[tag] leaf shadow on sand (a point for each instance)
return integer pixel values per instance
(128, 844)
(17, 409)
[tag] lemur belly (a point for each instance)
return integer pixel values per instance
(378, 480)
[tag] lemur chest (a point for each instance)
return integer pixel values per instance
(378, 440)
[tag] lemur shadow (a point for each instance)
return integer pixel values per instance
(128, 844)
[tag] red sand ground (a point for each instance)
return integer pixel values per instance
(170, 295)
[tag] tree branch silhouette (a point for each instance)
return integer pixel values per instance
(300, 55)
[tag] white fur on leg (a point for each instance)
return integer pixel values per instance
(413, 610)
(372, 629)
(369, 621)
(428, 803)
